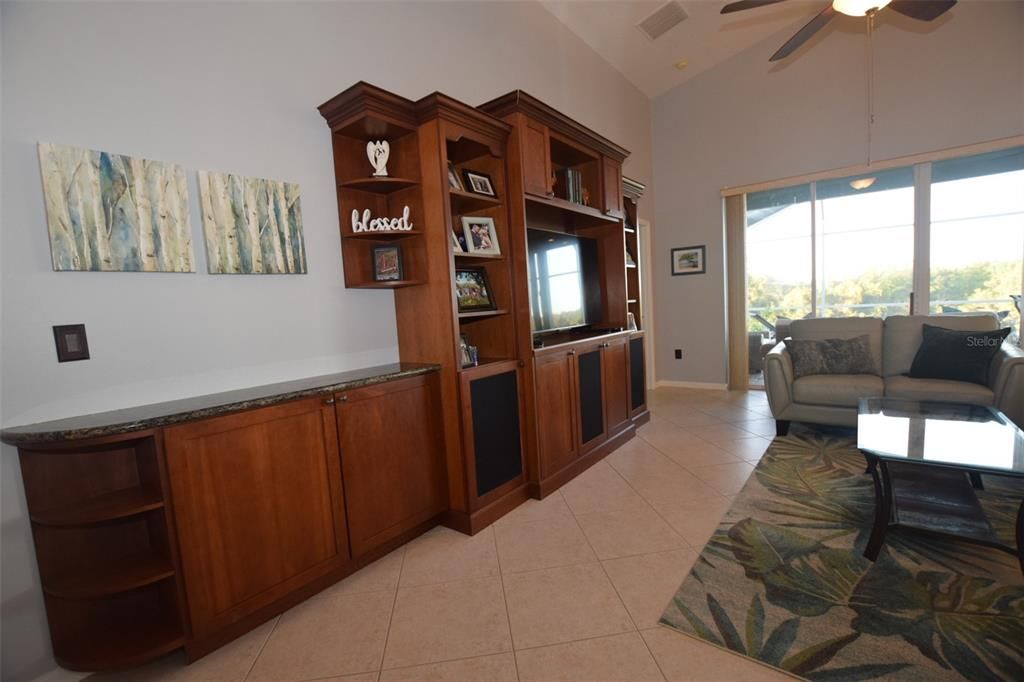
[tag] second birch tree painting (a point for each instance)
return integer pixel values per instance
(252, 225)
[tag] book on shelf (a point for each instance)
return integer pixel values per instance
(569, 185)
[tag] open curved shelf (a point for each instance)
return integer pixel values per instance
(467, 201)
(116, 505)
(125, 644)
(391, 284)
(476, 256)
(382, 235)
(481, 313)
(385, 185)
(129, 574)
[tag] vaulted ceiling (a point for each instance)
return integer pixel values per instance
(705, 38)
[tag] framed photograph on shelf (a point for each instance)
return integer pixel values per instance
(473, 290)
(457, 244)
(481, 237)
(479, 183)
(688, 260)
(453, 178)
(387, 263)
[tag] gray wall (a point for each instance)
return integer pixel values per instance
(955, 82)
(229, 87)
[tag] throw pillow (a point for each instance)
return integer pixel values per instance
(956, 355)
(831, 356)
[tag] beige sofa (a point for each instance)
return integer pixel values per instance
(833, 398)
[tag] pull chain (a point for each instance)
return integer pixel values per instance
(870, 83)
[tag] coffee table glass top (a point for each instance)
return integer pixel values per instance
(941, 434)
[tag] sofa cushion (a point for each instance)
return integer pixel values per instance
(831, 356)
(902, 336)
(939, 390)
(955, 355)
(841, 390)
(821, 328)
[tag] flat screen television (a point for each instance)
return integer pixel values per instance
(565, 289)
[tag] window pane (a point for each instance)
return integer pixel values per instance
(778, 255)
(865, 244)
(977, 234)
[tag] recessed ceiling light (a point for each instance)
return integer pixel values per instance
(682, 64)
(862, 183)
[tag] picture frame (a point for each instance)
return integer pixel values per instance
(481, 236)
(473, 290)
(72, 343)
(476, 182)
(689, 260)
(457, 244)
(387, 263)
(453, 178)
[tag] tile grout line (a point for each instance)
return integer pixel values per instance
(391, 615)
(259, 653)
(684, 468)
(504, 599)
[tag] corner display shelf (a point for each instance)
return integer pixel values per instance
(632, 191)
(106, 563)
(486, 474)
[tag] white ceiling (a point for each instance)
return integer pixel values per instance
(704, 39)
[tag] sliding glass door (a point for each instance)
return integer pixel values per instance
(857, 245)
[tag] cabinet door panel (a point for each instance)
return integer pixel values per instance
(392, 459)
(536, 159)
(616, 385)
(590, 378)
(556, 411)
(612, 186)
(257, 501)
(494, 425)
(637, 376)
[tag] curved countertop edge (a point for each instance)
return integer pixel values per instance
(156, 415)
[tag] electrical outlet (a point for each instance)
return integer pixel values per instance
(679, 353)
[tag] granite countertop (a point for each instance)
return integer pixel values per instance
(187, 409)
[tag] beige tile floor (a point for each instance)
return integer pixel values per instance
(567, 588)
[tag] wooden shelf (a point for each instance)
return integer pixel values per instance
(482, 313)
(126, 644)
(631, 300)
(629, 230)
(392, 284)
(485, 363)
(109, 507)
(476, 256)
(468, 201)
(572, 208)
(128, 574)
(382, 236)
(385, 185)
(631, 265)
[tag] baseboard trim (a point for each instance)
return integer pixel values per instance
(705, 385)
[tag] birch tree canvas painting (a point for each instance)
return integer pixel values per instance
(112, 212)
(252, 225)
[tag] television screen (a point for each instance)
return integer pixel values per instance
(564, 292)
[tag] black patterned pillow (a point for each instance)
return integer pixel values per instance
(831, 356)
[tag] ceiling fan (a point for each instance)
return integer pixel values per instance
(923, 10)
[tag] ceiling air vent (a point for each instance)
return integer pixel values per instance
(662, 20)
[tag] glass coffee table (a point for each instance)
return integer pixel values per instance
(926, 459)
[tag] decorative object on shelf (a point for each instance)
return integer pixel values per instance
(115, 213)
(481, 236)
(470, 355)
(688, 260)
(387, 263)
(631, 322)
(453, 178)
(629, 259)
(569, 186)
(457, 244)
(479, 183)
(473, 290)
(253, 226)
(366, 224)
(378, 153)
(72, 343)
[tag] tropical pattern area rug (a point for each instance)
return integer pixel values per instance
(783, 579)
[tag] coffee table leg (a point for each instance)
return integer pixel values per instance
(976, 480)
(1020, 536)
(883, 506)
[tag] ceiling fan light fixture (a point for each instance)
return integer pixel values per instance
(862, 183)
(858, 8)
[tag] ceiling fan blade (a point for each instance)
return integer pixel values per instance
(747, 4)
(804, 34)
(923, 10)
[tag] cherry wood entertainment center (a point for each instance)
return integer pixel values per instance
(186, 524)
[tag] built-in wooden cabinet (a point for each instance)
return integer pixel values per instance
(259, 507)
(590, 396)
(616, 363)
(611, 183)
(392, 459)
(557, 421)
(536, 159)
(637, 377)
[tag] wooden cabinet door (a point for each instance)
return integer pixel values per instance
(611, 174)
(616, 384)
(492, 435)
(392, 459)
(590, 397)
(536, 159)
(258, 504)
(554, 379)
(637, 376)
